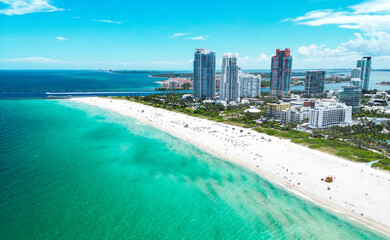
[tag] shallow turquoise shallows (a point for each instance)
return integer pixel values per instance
(72, 171)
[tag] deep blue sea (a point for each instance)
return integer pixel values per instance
(43, 83)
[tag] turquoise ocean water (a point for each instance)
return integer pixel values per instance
(71, 171)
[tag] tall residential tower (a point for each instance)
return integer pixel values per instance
(355, 73)
(250, 84)
(204, 74)
(229, 87)
(314, 83)
(365, 70)
(280, 81)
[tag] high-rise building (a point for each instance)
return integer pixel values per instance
(355, 73)
(356, 82)
(229, 86)
(314, 83)
(250, 84)
(204, 74)
(280, 81)
(351, 96)
(365, 70)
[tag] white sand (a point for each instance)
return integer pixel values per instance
(360, 192)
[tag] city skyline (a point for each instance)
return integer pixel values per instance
(62, 34)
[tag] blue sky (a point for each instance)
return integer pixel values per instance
(120, 34)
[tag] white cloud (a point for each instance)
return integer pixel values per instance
(243, 60)
(369, 16)
(61, 38)
(33, 60)
(201, 38)
(108, 21)
(315, 51)
(174, 35)
(20, 7)
(264, 58)
(284, 20)
(377, 6)
(345, 54)
(371, 44)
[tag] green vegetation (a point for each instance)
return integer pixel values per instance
(337, 147)
(365, 142)
(186, 86)
(131, 71)
(372, 113)
(168, 89)
(337, 80)
(265, 84)
(367, 135)
(384, 83)
(373, 91)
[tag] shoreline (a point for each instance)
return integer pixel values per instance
(240, 147)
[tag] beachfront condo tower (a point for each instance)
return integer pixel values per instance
(250, 85)
(365, 69)
(204, 74)
(314, 83)
(280, 80)
(229, 86)
(326, 114)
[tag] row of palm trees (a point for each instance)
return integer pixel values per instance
(366, 135)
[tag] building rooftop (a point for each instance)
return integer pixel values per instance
(330, 105)
(230, 55)
(204, 51)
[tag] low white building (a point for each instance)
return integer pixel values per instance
(327, 114)
(295, 114)
(332, 93)
(252, 110)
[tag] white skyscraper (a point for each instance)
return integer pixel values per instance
(229, 86)
(250, 84)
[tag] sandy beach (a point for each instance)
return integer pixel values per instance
(358, 191)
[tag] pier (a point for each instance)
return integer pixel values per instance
(42, 98)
